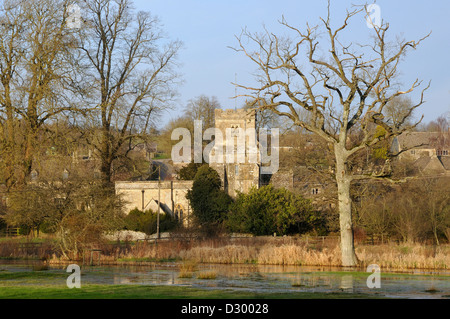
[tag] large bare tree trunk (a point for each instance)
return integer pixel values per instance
(106, 156)
(343, 180)
(345, 219)
(9, 154)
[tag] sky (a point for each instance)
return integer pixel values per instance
(208, 28)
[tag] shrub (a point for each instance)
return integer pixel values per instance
(187, 173)
(268, 210)
(209, 203)
(78, 211)
(146, 222)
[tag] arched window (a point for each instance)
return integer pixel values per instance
(179, 210)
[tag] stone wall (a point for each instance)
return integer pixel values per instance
(144, 195)
(283, 179)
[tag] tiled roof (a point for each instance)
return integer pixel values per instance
(445, 160)
(417, 139)
(432, 164)
(422, 162)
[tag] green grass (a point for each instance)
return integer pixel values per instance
(152, 292)
(161, 156)
(52, 285)
(30, 275)
(20, 258)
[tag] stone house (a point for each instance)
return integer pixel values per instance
(428, 152)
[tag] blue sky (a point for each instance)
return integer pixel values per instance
(208, 28)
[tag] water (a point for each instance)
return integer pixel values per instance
(264, 279)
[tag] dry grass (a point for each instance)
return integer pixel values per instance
(220, 255)
(289, 254)
(24, 248)
(412, 256)
(207, 275)
(299, 255)
(189, 266)
(185, 274)
(388, 256)
(260, 250)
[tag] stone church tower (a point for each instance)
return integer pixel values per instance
(243, 171)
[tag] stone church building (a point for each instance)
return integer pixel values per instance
(235, 175)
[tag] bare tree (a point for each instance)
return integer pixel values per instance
(343, 92)
(441, 141)
(374, 209)
(202, 108)
(396, 109)
(441, 125)
(35, 44)
(435, 204)
(164, 141)
(79, 210)
(10, 44)
(130, 68)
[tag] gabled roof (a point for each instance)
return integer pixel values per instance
(445, 160)
(429, 164)
(417, 139)
(153, 205)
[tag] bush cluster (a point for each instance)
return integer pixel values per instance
(269, 210)
(146, 221)
(262, 211)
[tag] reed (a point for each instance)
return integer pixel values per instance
(189, 266)
(267, 254)
(185, 274)
(207, 275)
(414, 256)
(259, 250)
(388, 256)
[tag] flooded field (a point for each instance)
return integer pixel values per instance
(257, 278)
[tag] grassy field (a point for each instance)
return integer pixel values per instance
(152, 292)
(51, 285)
(43, 282)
